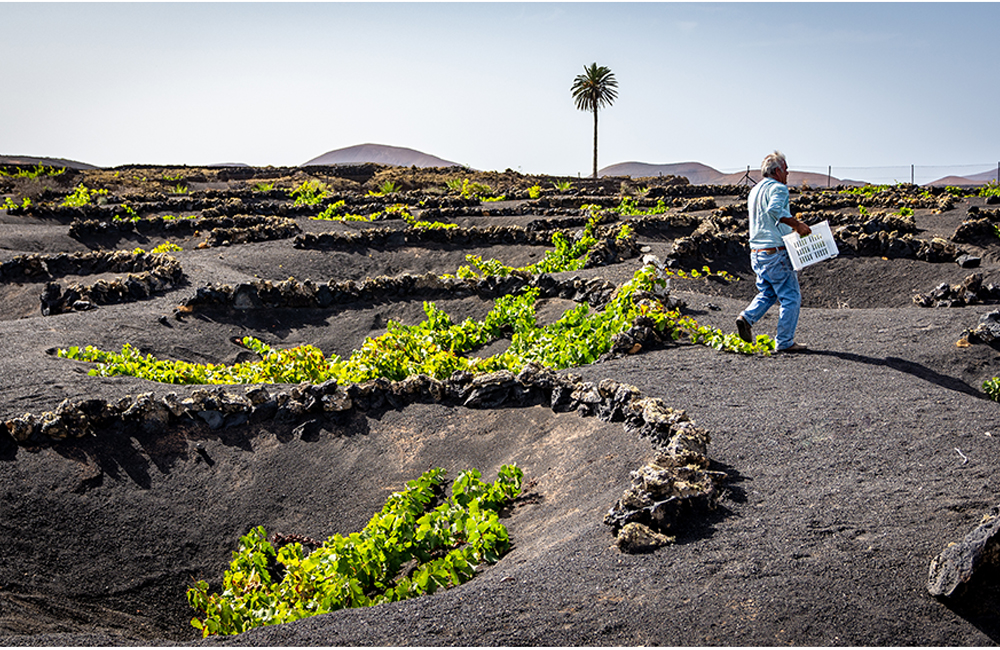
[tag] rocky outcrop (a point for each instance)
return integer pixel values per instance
(892, 244)
(954, 568)
(243, 233)
(979, 227)
(291, 293)
(36, 267)
(890, 197)
(816, 216)
(80, 297)
(665, 225)
(971, 291)
(390, 238)
(565, 223)
(987, 331)
(908, 195)
(668, 490)
(673, 486)
(944, 202)
(640, 538)
(694, 191)
(665, 493)
(980, 232)
(698, 205)
(713, 239)
(212, 204)
(476, 210)
(306, 404)
(819, 201)
(221, 230)
(609, 248)
(879, 222)
(147, 274)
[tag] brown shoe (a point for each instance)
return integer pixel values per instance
(744, 330)
(794, 347)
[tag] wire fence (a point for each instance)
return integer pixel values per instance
(889, 175)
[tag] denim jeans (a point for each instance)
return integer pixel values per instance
(777, 281)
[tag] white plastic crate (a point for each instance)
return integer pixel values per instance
(815, 247)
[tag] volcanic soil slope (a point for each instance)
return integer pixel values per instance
(841, 473)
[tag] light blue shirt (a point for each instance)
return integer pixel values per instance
(768, 205)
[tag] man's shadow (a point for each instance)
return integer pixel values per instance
(908, 367)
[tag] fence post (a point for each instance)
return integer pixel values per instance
(829, 170)
(911, 174)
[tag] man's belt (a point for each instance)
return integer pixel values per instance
(767, 250)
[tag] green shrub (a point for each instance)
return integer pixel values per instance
(444, 545)
(8, 204)
(129, 214)
(628, 208)
(705, 272)
(405, 215)
(469, 189)
(167, 247)
(990, 189)
(82, 195)
(867, 191)
(564, 256)
(992, 388)
(388, 187)
(34, 172)
(435, 347)
(309, 192)
(337, 211)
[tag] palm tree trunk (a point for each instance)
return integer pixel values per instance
(595, 142)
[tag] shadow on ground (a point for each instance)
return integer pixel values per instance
(979, 602)
(909, 367)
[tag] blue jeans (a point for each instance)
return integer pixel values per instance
(777, 281)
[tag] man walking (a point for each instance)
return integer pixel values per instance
(777, 281)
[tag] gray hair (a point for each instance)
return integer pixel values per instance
(772, 163)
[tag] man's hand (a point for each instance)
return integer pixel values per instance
(798, 226)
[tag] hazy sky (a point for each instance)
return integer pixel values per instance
(852, 85)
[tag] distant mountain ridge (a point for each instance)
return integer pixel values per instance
(696, 173)
(48, 162)
(970, 179)
(700, 174)
(381, 154)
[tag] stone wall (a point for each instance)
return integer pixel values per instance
(608, 247)
(147, 274)
(265, 294)
(222, 230)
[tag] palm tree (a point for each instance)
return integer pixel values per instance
(594, 89)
